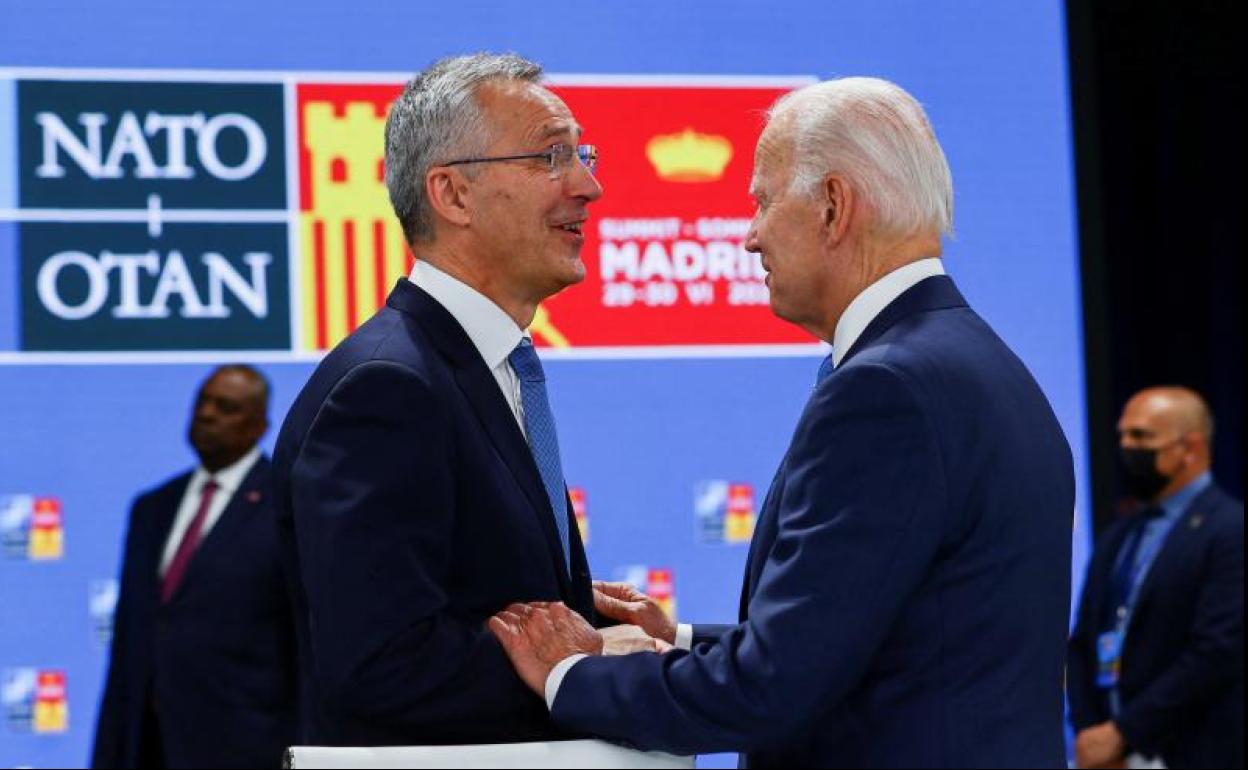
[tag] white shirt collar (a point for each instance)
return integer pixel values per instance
(873, 299)
(229, 478)
(492, 331)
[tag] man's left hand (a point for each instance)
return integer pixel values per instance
(623, 602)
(537, 636)
(1100, 746)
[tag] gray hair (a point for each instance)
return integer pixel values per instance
(435, 118)
(876, 135)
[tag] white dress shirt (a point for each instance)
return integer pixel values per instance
(492, 332)
(854, 321)
(228, 479)
(873, 299)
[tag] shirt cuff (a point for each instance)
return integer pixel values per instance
(684, 636)
(556, 675)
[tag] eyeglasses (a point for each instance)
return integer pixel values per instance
(559, 157)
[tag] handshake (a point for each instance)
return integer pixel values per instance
(538, 635)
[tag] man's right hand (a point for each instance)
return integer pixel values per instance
(1100, 746)
(622, 602)
(626, 639)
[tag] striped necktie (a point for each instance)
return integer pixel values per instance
(189, 544)
(539, 424)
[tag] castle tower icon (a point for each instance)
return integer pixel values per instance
(352, 247)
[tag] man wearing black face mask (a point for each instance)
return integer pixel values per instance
(1156, 659)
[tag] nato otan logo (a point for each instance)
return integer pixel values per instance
(102, 606)
(724, 511)
(656, 582)
(31, 528)
(34, 700)
(580, 509)
(162, 219)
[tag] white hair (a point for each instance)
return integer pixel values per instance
(436, 119)
(876, 135)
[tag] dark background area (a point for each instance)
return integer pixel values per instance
(1158, 92)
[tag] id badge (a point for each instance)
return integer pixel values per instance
(1108, 658)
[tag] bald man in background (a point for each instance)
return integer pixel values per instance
(1156, 666)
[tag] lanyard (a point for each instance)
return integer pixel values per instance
(1131, 569)
(1132, 566)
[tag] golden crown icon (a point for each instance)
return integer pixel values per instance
(689, 156)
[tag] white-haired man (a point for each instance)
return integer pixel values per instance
(907, 591)
(418, 477)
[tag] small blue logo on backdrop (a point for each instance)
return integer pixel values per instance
(724, 511)
(34, 700)
(31, 528)
(102, 606)
(17, 698)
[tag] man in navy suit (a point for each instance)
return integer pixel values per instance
(418, 474)
(1157, 656)
(202, 670)
(906, 594)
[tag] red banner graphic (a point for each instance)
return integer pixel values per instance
(664, 244)
(663, 249)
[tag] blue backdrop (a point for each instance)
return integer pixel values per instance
(642, 435)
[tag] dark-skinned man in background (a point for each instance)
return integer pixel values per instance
(202, 670)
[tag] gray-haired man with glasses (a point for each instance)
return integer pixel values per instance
(419, 480)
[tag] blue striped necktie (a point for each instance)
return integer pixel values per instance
(539, 424)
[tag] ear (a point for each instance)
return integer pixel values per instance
(259, 428)
(837, 203)
(448, 193)
(1193, 443)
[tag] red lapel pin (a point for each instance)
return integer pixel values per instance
(253, 496)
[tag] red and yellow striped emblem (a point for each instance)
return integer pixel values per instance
(351, 246)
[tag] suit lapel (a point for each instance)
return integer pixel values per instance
(1184, 531)
(238, 511)
(1100, 574)
(935, 293)
(166, 511)
(764, 536)
(497, 421)
(579, 587)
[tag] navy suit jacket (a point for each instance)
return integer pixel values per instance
(411, 511)
(1182, 684)
(217, 663)
(906, 595)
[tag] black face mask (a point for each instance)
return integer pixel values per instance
(1142, 478)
